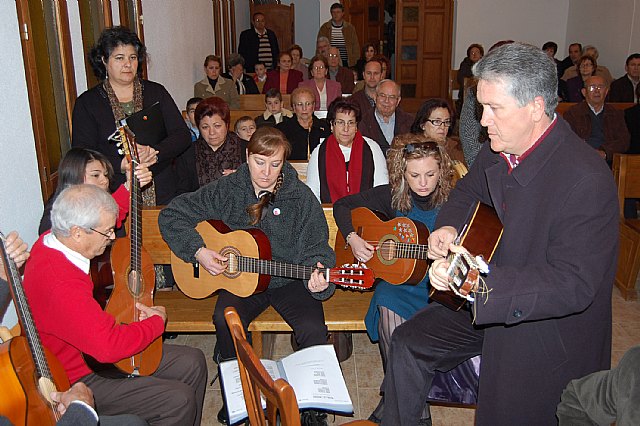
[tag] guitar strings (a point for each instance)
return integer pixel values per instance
(483, 291)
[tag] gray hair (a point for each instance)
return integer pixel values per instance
(590, 47)
(322, 38)
(525, 70)
(388, 80)
(234, 59)
(80, 205)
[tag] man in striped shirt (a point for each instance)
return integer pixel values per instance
(259, 44)
(342, 35)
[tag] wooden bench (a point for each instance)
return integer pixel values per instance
(344, 311)
(256, 102)
(564, 106)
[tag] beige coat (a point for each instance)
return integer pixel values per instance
(225, 89)
(350, 40)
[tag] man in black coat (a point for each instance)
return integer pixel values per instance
(259, 44)
(542, 315)
(623, 89)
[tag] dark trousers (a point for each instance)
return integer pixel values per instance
(435, 338)
(173, 395)
(293, 302)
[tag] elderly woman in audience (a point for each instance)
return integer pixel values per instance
(121, 92)
(420, 178)
(244, 83)
(586, 67)
(298, 62)
(346, 162)
(216, 85)
(325, 90)
(434, 120)
(274, 113)
(304, 130)
(217, 152)
(368, 51)
(284, 78)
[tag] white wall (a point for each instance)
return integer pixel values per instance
(178, 38)
(20, 197)
(612, 26)
(484, 22)
(76, 47)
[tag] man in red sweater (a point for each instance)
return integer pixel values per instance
(71, 323)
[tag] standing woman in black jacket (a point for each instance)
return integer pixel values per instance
(115, 60)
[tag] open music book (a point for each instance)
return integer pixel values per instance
(314, 373)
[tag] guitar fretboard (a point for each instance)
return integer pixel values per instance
(271, 267)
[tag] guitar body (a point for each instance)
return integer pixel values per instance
(384, 234)
(21, 401)
(481, 237)
(121, 304)
(198, 283)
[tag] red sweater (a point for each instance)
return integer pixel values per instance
(71, 322)
(121, 196)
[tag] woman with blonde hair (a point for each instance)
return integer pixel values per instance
(420, 179)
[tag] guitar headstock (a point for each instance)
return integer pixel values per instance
(126, 142)
(354, 276)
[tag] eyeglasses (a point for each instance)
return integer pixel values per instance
(386, 97)
(321, 67)
(347, 124)
(303, 104)
(594, 87)
(438, 123)
(424, 146)
(334, 55)
(108, 235)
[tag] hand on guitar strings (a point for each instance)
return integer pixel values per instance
(212, 261)
(16, 250)
(438, 275)
(317, 283)
(142, 172)
(362, 250)
(149, 311)
(78, 392)
(440, 242)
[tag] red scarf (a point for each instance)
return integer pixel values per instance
(336, 168)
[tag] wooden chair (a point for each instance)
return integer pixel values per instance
(255, 381)
(626, 172)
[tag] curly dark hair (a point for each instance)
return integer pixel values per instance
(213, 106)
(343, 106)
(110, 39)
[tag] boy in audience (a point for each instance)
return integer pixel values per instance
(245, 127)
(274, 114)
(260, 77)
(191, 118)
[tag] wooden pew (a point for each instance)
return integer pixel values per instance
(564, 106)
(256, 102)
(344, 311)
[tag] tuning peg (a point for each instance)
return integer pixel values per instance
(121, 152)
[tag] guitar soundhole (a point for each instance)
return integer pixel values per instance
(135, 283)
(233, 254)
(387, 248)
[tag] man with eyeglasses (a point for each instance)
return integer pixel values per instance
(600, 125)
(259, 44)
(387, 120)
(338, 73)
(71, 323)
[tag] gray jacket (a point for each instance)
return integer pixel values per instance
(294, 223)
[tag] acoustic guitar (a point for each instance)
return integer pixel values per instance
(28, 372)
(134, 275)
(249, 268)
(401, 249)
(400, 246)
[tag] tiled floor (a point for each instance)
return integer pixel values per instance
(363, 371)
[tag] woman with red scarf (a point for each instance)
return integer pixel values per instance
(346, 162)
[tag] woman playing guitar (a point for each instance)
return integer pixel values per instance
(264, 193)
(420, 178)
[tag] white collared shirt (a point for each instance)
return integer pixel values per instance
(74, 257)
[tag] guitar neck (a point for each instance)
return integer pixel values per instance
(411, 251)
(24, 314)
(272, 267)
(135, 224)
